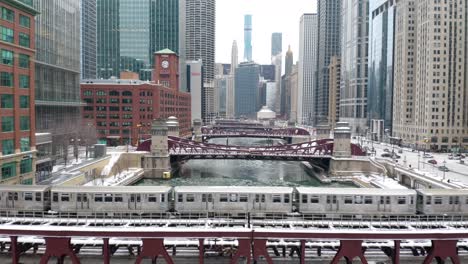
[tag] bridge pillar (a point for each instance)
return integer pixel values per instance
(158, 161)
(197, 133)
(323, 132)
(173, 126)
(342, 140)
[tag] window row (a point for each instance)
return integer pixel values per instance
(7, 35)
(9, 169)
(355, 199)
(233, 198)
(9, 15)
(8, 123)
(8, 145)
(104, 93)
(108, 197)
(7, 101)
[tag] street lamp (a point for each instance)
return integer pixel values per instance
(444, 169)
(419, 156)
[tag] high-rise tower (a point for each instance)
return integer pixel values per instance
(200, 27)
(231, 83)
(88, 39)
(289, 60)
(328, 45)
(276, 43)
(248, 38)
(306, 96)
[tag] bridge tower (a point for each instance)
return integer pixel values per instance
(197, 133)
(158, 161)
(323, 132)
(173, 126)
(342, 140)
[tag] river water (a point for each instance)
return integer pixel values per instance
(241, 172)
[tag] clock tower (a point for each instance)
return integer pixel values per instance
(166, 68)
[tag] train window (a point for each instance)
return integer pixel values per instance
(55, 197)
(38, 197)
(348, 199)
(437, 200)
(98, 197)
(203, 198)
(180, 198)
(210, 197)
(190, 198)
(411, 200)
(286, 198)
(108, 198)
(314, 199)
(163, 198)
(28, 196)
(466, 200)
(428, 199)
(152, 198)
(233, 198)
(263, 198)
(358, 199)
(454, 200)
(65, 197)
(223, 198)
(277, 198)
(387, 199)
(304, 198)
(118, 198)
(401, 200)
(243, 198)
(368, 199)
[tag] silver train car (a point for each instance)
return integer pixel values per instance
(356, 201)
(443, 201)
(116, 199)
(24, 198)
(233, 200)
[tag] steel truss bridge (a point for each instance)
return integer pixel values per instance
(427, 237)
(255, 132)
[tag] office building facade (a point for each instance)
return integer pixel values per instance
(17, 129)
(276, 43)
(246, 91)
(195, 87)
(329, 44)
(354, 59)
(88, 39)
(231, 82)
(334, 73)
(308, 47)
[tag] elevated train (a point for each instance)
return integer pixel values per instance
(231, 201)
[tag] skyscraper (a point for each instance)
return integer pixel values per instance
(328, 45)
(248, 38)
(200, 26)
(276, 43)
(88, 39)
(289, 61)
(354, 49)
(431, 112)
(246, 92)
(231, 84)
(380, 88)
(306, 96)
(130, 31)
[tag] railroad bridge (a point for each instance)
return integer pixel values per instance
(291, 134)
(165, 146)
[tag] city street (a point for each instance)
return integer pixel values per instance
(458, 173)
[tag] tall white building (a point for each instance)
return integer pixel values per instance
(231, 82)
(200, 28)
(194, 86)
(308, 44)
(277, 60)
(430, 81)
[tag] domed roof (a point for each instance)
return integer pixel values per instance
(172, 120)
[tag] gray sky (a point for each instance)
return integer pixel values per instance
(268, 16)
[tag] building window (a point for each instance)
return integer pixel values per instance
(8, 170)
(6, 79)
(7, 57)
(24, 123)
(6, 34)
(24, 81)
(25, 144)
(26, 166)
(114, 93)
(101, 101)
(114, 100)
(25, 21)
(88, 93)
(126, 101)
(28, 182)
(24, 101)
(114, 108)
(8, 124)
(101, 93)
(6, 101)
(127, 93)
(8, 14)
(24, 40)
(8, 146)
(24, 61)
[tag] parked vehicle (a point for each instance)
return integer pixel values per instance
(443, 168)
(386, 155)
(432, 162)
(428, 156)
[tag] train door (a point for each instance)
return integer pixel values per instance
(259, 203)
(207, 201)
(135, 201)
(384, 204)
(82, 201)
(454, 203)
(332, 204)
(11, 199)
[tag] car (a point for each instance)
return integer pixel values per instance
(386, 150)
(443, 168)
(450, 157)
(428, 156)
(386, 155)
(432, 162)
(395, 156)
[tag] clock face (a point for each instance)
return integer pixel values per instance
(165, 64)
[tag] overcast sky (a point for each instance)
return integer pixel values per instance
(268, 16)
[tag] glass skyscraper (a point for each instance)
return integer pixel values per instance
(248, 38)
(130, 31)
(246, 92)
(88, 39)
(276, 43)
(380, 89)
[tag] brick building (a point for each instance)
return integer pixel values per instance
(123, 109)
(17, 129)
